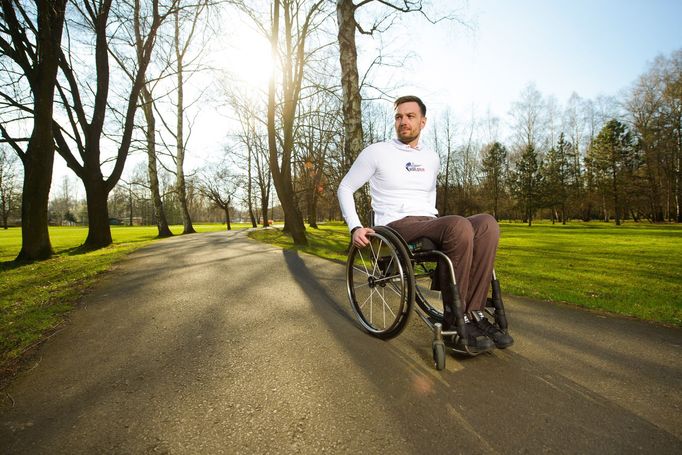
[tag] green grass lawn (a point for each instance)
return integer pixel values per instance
(633, 270)
(34, 298)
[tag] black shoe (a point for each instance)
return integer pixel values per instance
(477, 341)
(501, 339)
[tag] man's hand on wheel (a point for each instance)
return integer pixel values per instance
(360, 238)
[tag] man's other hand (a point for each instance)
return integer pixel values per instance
(360, 236)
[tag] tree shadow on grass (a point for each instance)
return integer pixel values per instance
(78, 250)
(73, 251)
(10, 265)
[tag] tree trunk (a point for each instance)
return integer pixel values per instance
(227, 217)
(159, 212)
(313, 194)
(249, 190)
(285, 191)
(187, 227)
(281, 175)
(252, 215)
(130, 205)
(529, 207)
(35, 238)
(676, 170)
(99, 231)
(616, 202)
(265, 197)
(311, 203)
(446, 189)
(181, 188)
(39, 157)
(38, 163)
(350, 85)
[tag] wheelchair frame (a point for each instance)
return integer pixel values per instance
(388, 264)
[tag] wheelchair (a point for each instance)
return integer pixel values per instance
(386, 278)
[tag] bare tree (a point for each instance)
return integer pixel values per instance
(220, 186)
(177, 61)
(254, 141)
(263, 176)
(147, 104)
(597, 113)
(10, 188)
(31, 40)
(136, 33)
(186, 20)
(252, 150)
(321, 122)
(574, 122)
(654, 105)
(86, 133)
(152, 162)
(443, 138)
(350, 81)
(459, 166)
(288, 38)
(529, 120)
(249, 186)
(63, 204)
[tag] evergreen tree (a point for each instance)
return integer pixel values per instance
(494, 166)
(527, 182)
(612, 157)
(556, 173)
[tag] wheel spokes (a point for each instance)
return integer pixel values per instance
(377, 285)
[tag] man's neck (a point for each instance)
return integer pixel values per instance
(412, 144)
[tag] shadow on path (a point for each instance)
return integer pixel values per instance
(501, 402)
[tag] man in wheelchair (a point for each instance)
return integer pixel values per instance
(402, 180)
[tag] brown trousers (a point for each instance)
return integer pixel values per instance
(470, 243)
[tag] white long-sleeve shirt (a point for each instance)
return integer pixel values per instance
(402, 182)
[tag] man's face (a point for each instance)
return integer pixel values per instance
(409, 122)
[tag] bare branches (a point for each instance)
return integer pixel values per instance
(13, 142)
(394, 9)
(21, 50)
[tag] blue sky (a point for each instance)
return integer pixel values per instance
(590, 47)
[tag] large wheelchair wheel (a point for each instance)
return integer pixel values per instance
(380, 284)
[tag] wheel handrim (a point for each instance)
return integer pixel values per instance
(376, 285)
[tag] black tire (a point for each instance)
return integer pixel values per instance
(380, 284)
(438, 355)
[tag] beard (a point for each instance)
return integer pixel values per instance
(407, 135)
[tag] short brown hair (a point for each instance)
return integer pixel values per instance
(408, 99)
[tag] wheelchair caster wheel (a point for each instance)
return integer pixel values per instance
(438, 355)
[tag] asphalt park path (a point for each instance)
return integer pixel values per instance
(215, 343)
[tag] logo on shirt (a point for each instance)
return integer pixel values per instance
(414, 167)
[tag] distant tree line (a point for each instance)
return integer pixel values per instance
(94, 81)
(607, 159)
